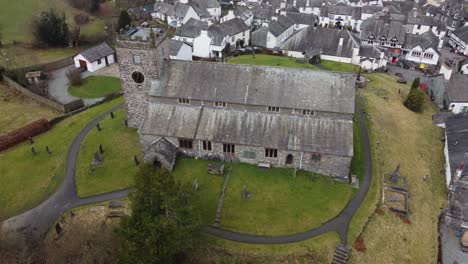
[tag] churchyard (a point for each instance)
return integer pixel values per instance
(96, 87)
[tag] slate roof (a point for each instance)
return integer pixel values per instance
(456, 129)
(263, 12)
(179, 10)
(371, 9)
(353, 11)
(325, 39)
(163, 151)
(192, 28)
(259, 37)
(284, 132)
(174, 46)
(233, 26)
(260, 85)
(457, 88)
(279, 26)
(97, 52)
(378, 27)
(370, 51)
(423, 20)
(462, 33)
(207, 3)
(301, 18)
(425, 40)
(436, 87)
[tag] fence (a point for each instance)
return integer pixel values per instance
(63, 108)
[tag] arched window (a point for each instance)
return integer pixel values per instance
(289, 159)
(138, 77)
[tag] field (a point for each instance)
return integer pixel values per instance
(339, 66)
(96, 86)
(399, 136)
(17, 111)
(27, 179)
(120, 144)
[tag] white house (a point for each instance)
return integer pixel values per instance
(422, 49)
(241, 12)
(275, 34)
(212, 6)
(341, 16)
(464, 69)
(95, 58)
(180, 50)
(176, 15)
(459, 40)
(301, 20)
(190, 30)
(417, 24)
(370, 58)
(457, 92)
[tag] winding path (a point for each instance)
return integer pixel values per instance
(35, 223)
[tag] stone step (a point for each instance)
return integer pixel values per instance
(338, 261)
(342, 255)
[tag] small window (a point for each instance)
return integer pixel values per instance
(308, 112)
(99, 61)
(416, 54)
(243, 34)
(220, 104)
(138, 77)
(228, 148)
(273, 109)
(184, 101)
(186, 143)
(316, 157)
(428, 55)
(206, 145)
(419, 26)
(136, 59)
(271, 153)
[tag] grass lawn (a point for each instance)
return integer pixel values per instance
(358, 162)
(17, 111)
(281, 204)
(411, 140)
(120, 144)
(270, 60)
(96, 86)
(17, 57)
(339, 66)
(28, 180)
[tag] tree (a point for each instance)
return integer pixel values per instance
(124, 20)
(415, 84)
(415, 100)
(51, 29)
(162, 223)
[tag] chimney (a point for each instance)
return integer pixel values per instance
(446, 70)
(294, 3)
(282, 5)
(415, 12)
(204, 33)
(274, 18)
(308, 3)
(230, 12)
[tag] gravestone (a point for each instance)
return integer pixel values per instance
(48, 150)
(126, 123)
(98, 127)
(195, 185)
(395, 175)
(97, 159)
(101, 149)
(116, 204)
(58, 228)
(135, 160)
(245, 194)
(33, 151)
(31, 140)
(112, 115)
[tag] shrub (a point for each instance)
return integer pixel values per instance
(21, 134)
(74, 76)
(124, 20)
(86, 5)
(50, 28)
(415, 84)
(81, 19)
(415, 100)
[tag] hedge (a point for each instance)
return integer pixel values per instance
(21, 134)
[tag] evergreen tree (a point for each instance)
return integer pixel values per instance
(415, 84)
(415, 100)
(162, 223)
(51, 29)
(124, 20)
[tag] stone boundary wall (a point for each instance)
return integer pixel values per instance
(63, 108)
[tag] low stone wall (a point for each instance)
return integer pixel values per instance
(63, 108)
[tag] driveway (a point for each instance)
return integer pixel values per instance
(58, 85)
(450, 245)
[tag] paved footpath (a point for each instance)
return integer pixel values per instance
(35, 223)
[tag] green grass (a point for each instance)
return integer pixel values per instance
(96, 86)
(18, 57)
(27, 180)
(17, 111)
(358, 162)
(270, 60)
(120, 144)
(339, 66)
(281, 204)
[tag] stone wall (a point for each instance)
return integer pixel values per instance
(136, 94)
(329, 165)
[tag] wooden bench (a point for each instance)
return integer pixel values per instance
(264, 165)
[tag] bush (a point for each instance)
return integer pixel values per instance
(124, 20)
(415, 100)
(86, 5)
(81, 19)
(50, 29)
(415, 84)
(21, 134)
(74, 76)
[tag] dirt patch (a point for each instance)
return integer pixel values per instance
(379, 211)
(404, 219)
(359, 244)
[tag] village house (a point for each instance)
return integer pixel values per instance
(422, 49)
(241, 12)
(301, 20)
(275, 34)
(341, 16)
(417, 24)
(459, 40)
(370, 58)
(175, 15)
(261, 115)
(436, 90)
(190, 30)
(458, 93)
(95, 58)
(456, 149)
(212, 6)
(180, 50)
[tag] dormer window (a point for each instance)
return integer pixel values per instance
(184, 101)
(273, 109)
(428, 55)
(416, 54)
(220, 104)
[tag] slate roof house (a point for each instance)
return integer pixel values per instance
(436, 90)
(274, 34)
(176, 14)
(95, 58)
(422, 49)
(283, 117)
(459, 40)
(458, 93)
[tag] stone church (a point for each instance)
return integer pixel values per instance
(268, 116)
